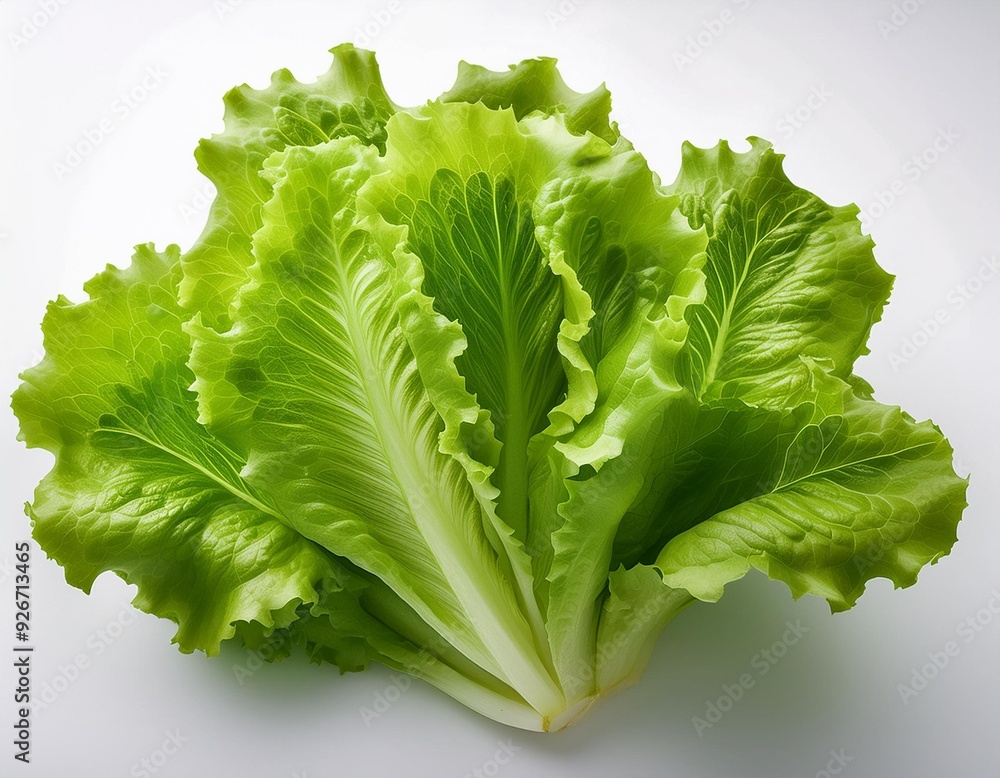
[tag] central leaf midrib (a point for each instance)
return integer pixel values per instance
(513, 488)
(723, 332)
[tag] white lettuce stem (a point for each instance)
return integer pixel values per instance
(625, 642)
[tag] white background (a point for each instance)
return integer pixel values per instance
(888, 94)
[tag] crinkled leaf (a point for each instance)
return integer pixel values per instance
(535, 85)
(626, 254)
(344, 437)
(348, 100)
(786, 276)
(462, 179)
(841, 491)
(140, 488)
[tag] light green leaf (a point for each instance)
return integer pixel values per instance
(468, 434)
(345, 439)
(825, 497)
(786, 276)
(462, 179)
(140, 488)
(535, 85)
(347, 100)
(625, 252)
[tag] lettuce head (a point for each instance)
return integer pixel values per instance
(465, 390)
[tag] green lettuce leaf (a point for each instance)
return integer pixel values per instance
(140, 488)
(344, 435)
(787, 276)
(836, 493)
(535, 85)
(462, 179)
(674, 462)
(624, 252)
(348, 100)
